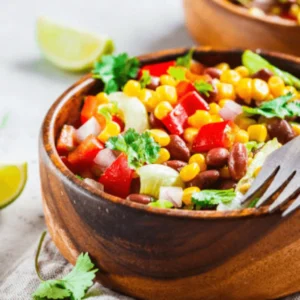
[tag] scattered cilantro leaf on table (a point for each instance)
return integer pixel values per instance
(161, 204)
(115, 71)
(73, 286)
(145, 79)
(203, 87)
(140, 148)
(177, 73)
(185, 60)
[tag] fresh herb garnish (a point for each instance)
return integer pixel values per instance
(115, 71)
(185, 60)
(79, 177)
(177, 73)
(73, 286)
(279, 107)
(161, 204)
(253, 145)
(145, 79)
(203, 87)
(211, 198)
(253, 202)
(108, 109)
(140, 148)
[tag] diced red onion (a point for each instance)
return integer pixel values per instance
(89, 127)
(230, 110)
(93, 183)
(172, 194)
(105, 158)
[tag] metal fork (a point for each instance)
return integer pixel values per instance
(283, 166)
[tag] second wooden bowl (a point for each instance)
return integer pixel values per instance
(218, 23)
(159, 254)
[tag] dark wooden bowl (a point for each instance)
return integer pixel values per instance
(219, 23)
(153, 253)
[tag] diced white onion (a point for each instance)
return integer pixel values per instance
(172, 194)
(89, 127)
(94, 183)
(105, 158)
(230, 110)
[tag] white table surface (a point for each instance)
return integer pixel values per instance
(29, 84)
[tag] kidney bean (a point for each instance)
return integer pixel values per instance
(178, 149)
(237, 161)
(205, 180)
(135, 186)
(263, 74)
(213, 72)
(175, 164)
(139, 198)
(217, 157)
(227, 184)
(280, 129)
(154, 122)
(155, 81)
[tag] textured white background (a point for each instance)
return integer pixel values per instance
(29, 85)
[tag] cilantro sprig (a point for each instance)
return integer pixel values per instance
(185, 60)
(145, 79)
(211, 198)
(279, 107)
(203, 87)
(177, 73)
(140, 148)
(115, 71)
(73, 286)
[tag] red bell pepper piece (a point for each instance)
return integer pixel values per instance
(176, 120)
(89, 108)
(117, 177)
(66, 141)
(213, 135)
(118, 121)
(85, 153)
(157, 69)
(184, 87)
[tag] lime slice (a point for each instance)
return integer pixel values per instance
(13, 178)
(70, 49)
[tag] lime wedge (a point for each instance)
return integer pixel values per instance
(70, 49)
(13, 178)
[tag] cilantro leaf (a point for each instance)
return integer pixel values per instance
(253, 145)
(253, 202)
(177, 73)
(140, 148)
(145, 79)
(279, 107)
(115, 71)
(185, 60)
(161, 204)
(210, 198)
(74, 285)
(203, 87)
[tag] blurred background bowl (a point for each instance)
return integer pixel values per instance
(218, 23)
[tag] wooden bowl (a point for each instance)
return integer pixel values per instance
(151, 253)
(219, 23)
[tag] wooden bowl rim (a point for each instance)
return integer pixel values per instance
(236, 9)
(48, 143)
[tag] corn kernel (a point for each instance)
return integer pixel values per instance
(226, 91)
(223, 66)
(160, 136)
(214, 108)
(152, 102)
(244, 122)
(276, 86)
(258, 133)
(244, 89)
(163, 156)
(167, 93)
(256, 171)
(145, 95)
(167, 80)
(162, 109)
(216, 119)
(187, 194)
(242, 136)
(190, 134)
(132, 88)
(189, 172)
(102, 98)
(224, 172)
(200, 160)
(230, 76)
(250, 160)
(260, 90)
(244, 188)
(199, 118)
(291, 89)
(296, 128)
(111, 129)
(243, 71)
(223, 102)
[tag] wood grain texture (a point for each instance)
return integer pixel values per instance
(152, 253)
(218, 23)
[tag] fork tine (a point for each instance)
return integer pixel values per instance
(279, 180)
(264, 175)
(292, 207)
(286, 194)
